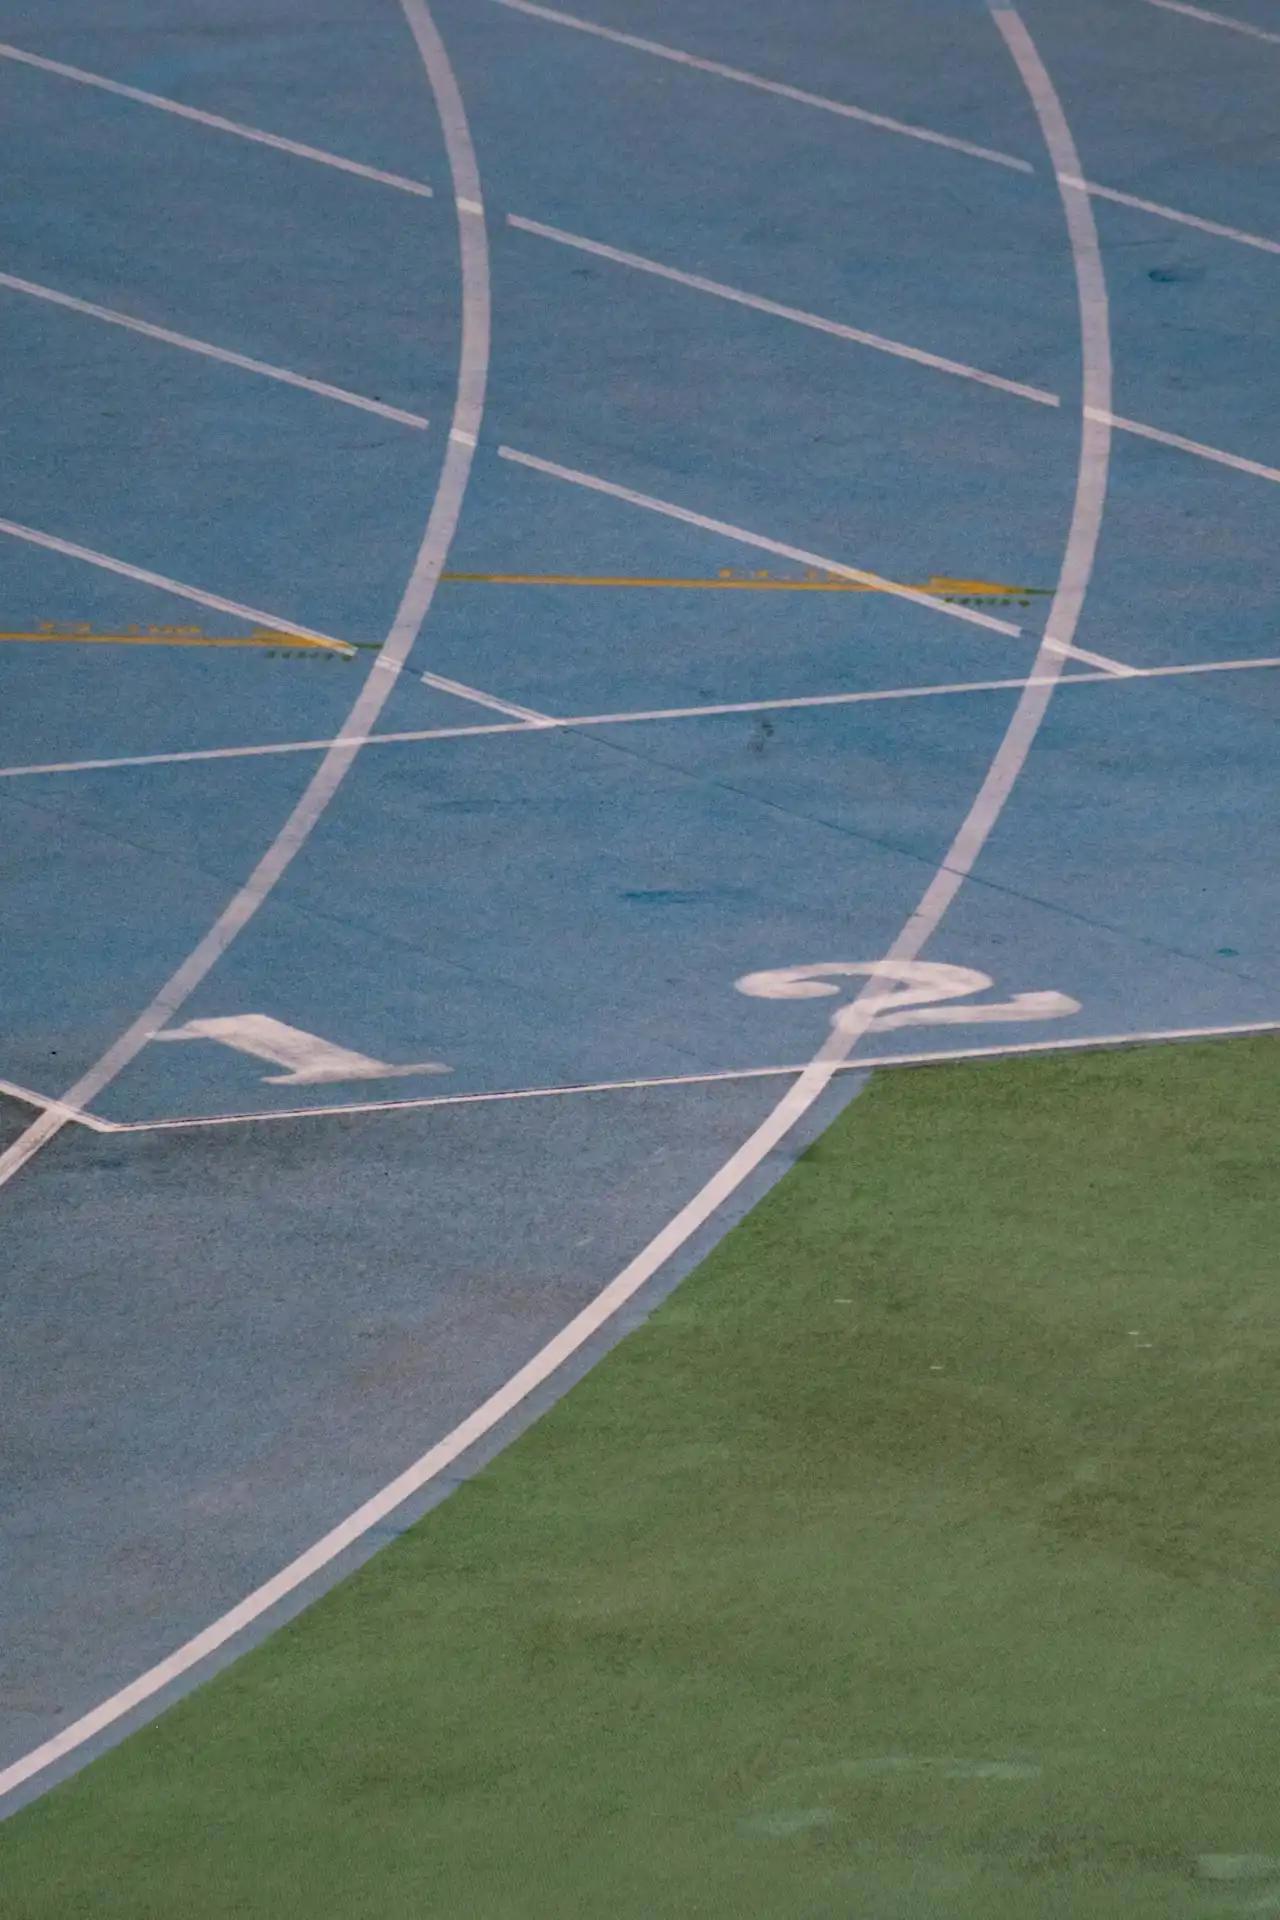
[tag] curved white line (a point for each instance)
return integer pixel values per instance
(812, 1080)
(412, 611)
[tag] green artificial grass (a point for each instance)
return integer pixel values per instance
(919, 1557)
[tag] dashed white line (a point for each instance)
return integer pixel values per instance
(768, 86)
(804, 98)
(386, 664)
(72, 550)
(858, 335)
(28, 1097)
(1216, 19)
(1183, 219)
(1117, 669)
(214, 120)
(1255, 467)
(889, 125)
(699, 283)
(595, 484)
(36, 290)
(530, 721)
(529, 715)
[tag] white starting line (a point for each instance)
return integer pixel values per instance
(1089, 1043)
(545, 723)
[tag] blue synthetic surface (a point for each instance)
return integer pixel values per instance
(218, 1342)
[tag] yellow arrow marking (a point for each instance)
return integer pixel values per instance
(177, 637)
(942, 586)
(757, 583)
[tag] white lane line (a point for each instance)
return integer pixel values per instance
(866, 1063)
(114, 318)
(1052, 643)
(530, 715)
(850, 1025)
(109, 564)
(473, 361)
(389, 661)
(214, 120)
(897, 126)
(806, 1088)
(30, 1098)
(1206, 666)
(722, 292)
(1183, 219)
(768, 86)
(1216, 19)
(729, 532)
(1197, 447)
(702, 285)
(530, 722)
(250, 753)
(1116, 669)
(635, 715)
(420, 187)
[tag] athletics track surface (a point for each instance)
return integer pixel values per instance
(705, 329)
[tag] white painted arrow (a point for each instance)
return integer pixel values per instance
(310, 1059)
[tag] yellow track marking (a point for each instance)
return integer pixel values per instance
(754, 583)
(177, 637)
(942, 586)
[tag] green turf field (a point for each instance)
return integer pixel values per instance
(918, 1558)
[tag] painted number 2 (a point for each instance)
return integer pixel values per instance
(903, 993)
